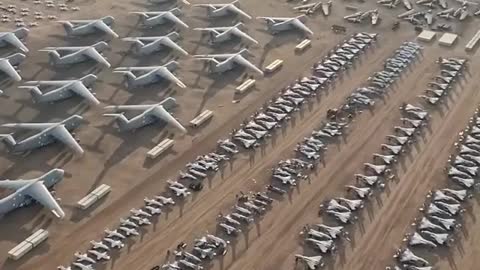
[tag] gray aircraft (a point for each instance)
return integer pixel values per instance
(63, 89)
(154, 18)
(221, 34)
(14, 38)
(149, 75)
(149, 45)
(166, 1)
(278, 24)
(77, 54)
(151, 113)
(8, 64)
(48, 134)
(220, 10)
(219, 63)
(30, 190)
(86, 27)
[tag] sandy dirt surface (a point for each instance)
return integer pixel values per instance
(119, 159)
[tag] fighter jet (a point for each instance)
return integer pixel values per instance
(63, 89)
(149, 75)
(220, 10)
(149, 45)
(114, 233)
(165, 200)
(99, 245)
(29, 190)
(275, 25)
(84, 257)
(152, 202)
(128, 231)
(139, 212)
(77, 54)
(219, 63)
(311, 262)
(178, 189)
(99, 255)
(151, 113)
(154, 18)
(229, 229)
(127, 222)
(83, 266)
(14, 38)
(141, 221)
(8, 64)
(114, 243)
(221, 34)
(86, 27)
(48, 133)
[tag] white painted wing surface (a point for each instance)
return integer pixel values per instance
(6, 67)
(161, 113)
(41, 194)
(62, 134)
(95, 55)
(83, 91)
(15, 41)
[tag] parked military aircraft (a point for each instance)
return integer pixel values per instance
(8, 64)
(311, 262)
(99, 245)
(221, 34)
(114, 243)
(149, 45)
(63, 89)
(219, 10)
(84, 257)
(48, 133)
(154, 18)
(151, 113)
(278, 24)
(149, 75)
(86, 27)
(77, 54)
(219, 63)
(14, 38)
(30, 190)
(99, 255)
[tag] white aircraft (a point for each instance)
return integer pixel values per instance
(139, 212)
(114, 243)
(149, 75)
(114, 233)
(279, 24)
(48, 133)
(190, 265)
(229, 229)
(179, 191)
(171, 266)
(83, 266)
(141, 221)
(219, 63)
(63, 89)
(99, 255)
(312, 262)
(86, 27)
(99, 245)
(152, 202)
(129, 231)
(220, 10)
(14, 38)
(8, 64)
(149, 45)
(204, 253)
(151, 113)
(77, 54)
(221, 34)
(84, 257)
(165, 200)
(153, 210)
(127, 222)
(153, 18)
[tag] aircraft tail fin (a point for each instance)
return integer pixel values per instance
(8, 140)
(21, 32)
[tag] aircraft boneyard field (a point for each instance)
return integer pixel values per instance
(369, 160)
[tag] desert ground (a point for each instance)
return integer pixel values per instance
(119, 159)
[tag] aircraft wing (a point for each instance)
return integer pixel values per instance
(95, 55)
(136, 68)
(161, 113)
(297, 23)
(205, 5)
(33, 126)
(6, 67)
(274, 19)
(170, 43)
(175, 19)
(243, 35)
(15, 41)
(239, 11)
(54, 83)
(80, 89)
(130, 107)
(14, 184)
(62, 134)
(105, 28)
(41, 194)
(168, 75)
(244, 62)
